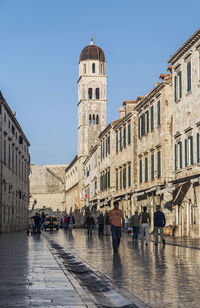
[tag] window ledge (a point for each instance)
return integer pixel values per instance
(178, 101)
(188, 93)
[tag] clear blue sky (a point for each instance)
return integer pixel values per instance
(40, 44)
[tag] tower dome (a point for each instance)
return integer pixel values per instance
(92, 52)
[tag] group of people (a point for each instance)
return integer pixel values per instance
(38, 223)
(140, 222)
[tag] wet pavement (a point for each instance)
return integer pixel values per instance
(160, 277)
(31, 276)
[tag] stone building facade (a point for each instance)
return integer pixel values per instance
(186, 130)
(14, 171)
(47, 189)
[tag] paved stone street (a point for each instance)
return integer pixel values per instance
(31, 277)
(161, 277)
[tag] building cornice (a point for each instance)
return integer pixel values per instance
(12, 116)
(185, 47)
(72, 163)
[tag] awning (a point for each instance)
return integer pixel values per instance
(151, 189)
(181, 192)
(139, 194)
(166, 189)
(168, 205)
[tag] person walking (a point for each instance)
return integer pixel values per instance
(145, 221)
(70, 222)
(135, 222)
(100, 220)
(37, 223)
(159, 223)
(117, 219)
(126, 223)
(107, 224)
(90, 224)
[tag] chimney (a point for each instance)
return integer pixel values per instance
(122, 112)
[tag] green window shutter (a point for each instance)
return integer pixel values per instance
(120, 140)
(120, 179)
(139, 120)
(116, 179)
(108, 178)
(143, 124)
(140, 171)
(129, 133)
(124, 136)
(186, 151)
(175, 157)
(124, 178)
(189, 76)
(116, 142)
(146, 169)
(180, 84)
(152, 166)
(129, 175)
(197, 147)
(180, 154)
(147, 117)
(191, 150)
(101, 151)
(158, 113)
(152, 118)
(158, 164)
(175, 88)
(103, 148)
(106, 146)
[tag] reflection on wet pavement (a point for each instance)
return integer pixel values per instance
(161, 277)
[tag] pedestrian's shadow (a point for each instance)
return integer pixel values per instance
(117, 267)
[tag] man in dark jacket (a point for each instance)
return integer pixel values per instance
(159, 223)
(90, 224)
(101, 224)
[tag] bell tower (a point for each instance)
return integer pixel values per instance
(91, 97)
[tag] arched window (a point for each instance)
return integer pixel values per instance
(84, 69)
(97, 119)
(101, 69)
(90, 119)
(90, 93)
(97, 93)
(93, 119)
(93, 67)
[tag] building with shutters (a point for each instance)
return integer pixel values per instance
(186, 130)
(14, 171)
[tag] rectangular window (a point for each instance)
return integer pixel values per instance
(143, 124)
(186, 152)
(116, 142)
(4, 151)
(189, 76)
(120, 139)
(103, 148)
(179, 85)
(139, 133)
(197, 147)
(106, 140)
(191, 149)
(120, 178)
(152, 166)
(158, 113)
(175, 88)
(116, 179)
(146, 168)
(140, 170)
(158, 164)
(108, 175)
(147, 121)
(129, 133)
(152, 118)
(109, 144)
(129, 175)
(124, 136)
(180, 154)
(175, 157)
(124, 177)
